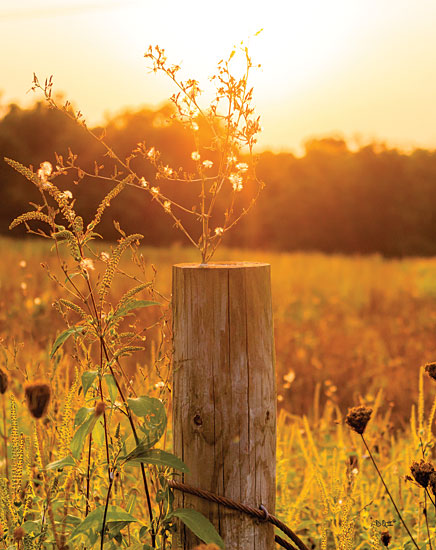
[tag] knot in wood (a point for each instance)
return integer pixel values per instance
(198, 421)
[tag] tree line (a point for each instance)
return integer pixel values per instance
(373, 200)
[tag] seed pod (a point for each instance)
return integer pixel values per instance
(358, 417)
(385, 538)
(3, 381)
(431, 369)
(99, 408)
(38, 397)
(18, 534)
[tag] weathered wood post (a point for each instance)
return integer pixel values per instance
(224, 396)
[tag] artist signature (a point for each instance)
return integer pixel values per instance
(382, 523)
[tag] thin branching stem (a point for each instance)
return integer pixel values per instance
(388, 492)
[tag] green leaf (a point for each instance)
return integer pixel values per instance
(133, 304)
(80, 435)
(98, 433)
(199, 525)
(157, 457)
(62, 463)
(63, 337)
(81, 415)
(111, 386)
(88, 378)
(92, 524)
(155, 418)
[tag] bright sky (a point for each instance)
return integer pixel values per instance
(364, 69)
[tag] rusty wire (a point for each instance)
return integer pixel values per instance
(260, 513)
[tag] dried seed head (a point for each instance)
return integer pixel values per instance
(99, 408)
(358, 417)
(385, 538)
(3, 381)
(18, 534)
(431, 369)
(421, 472)
(38, 398)
(432, 482)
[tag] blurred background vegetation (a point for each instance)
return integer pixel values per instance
(332, 199)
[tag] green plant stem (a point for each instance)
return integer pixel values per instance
(426, 519)
(111, 480)
(88, 476)
(135, 435)
(388, 492)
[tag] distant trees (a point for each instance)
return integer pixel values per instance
(332, 199)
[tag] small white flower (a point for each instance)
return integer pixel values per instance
(22, 263)
(236, 181)
(195, 126)
(46, 168)
(231, 159)
(207, 163)
(354, 471)
(37, 301)
(23, 286)
(151, 153)
(68, 194)
(219, 230)
(167, 206)
(167, 171)
(242, 166)
(87, 264)
(104, 256)
(160, 384)
(155, 190)
(143, 183)
(195, 155)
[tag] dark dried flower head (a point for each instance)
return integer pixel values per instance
(432, 482)
(385, 538)
(358, 417)
(421, 471)
(99, 408)
(18, 534)
(38, 398)
(431, 369)
(3, 381)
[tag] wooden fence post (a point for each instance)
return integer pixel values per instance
(224, 396)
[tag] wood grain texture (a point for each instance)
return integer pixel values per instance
(224, 396)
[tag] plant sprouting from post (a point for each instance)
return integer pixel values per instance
(223, 134)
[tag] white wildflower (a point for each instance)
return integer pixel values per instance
(219, 230)
(160, 384)
(151, 154)
(143, 183)
(104, 256)
(195, 126)
(236, 181)
(167, 206)
(23, 286)
(37, 301)
(167, 171)
(242, 166)
(46, 168)
(155, 191)
(22, 263)
(87, 264)
(68, 194)
(195, 155)
(207, 163)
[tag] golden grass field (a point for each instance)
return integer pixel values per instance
(348, 331)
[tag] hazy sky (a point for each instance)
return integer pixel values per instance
(365, 69)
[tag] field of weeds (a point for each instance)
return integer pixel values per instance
(348, 331)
